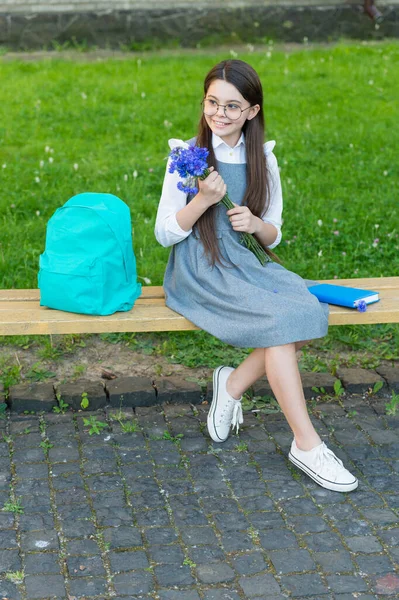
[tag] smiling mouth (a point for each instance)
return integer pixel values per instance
(220, 123)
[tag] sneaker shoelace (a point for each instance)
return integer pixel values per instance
(329, 462)
(233, 410)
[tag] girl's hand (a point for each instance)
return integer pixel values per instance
(213, 188)
(242, 219)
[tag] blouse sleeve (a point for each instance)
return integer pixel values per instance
(274, 212)
(167, 229)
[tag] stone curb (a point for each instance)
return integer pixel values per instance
(135, 392)
(190, 26)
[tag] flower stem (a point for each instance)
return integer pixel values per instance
(247, 239)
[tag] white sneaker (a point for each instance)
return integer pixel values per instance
(323, 467)
(225, 411)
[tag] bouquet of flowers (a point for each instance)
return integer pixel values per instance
(190, 163)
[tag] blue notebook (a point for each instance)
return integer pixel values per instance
(342, 296)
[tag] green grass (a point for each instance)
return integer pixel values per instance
(332, 110)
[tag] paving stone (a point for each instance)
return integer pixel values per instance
(28, 455)
(259, 503)
(323, 542)
(114, 517)
(193, 444)
(193, 536)
(359, 596)
(299, 506)
(220, 594)
(249, 564)
(128, 561)
(285, 490)
(173, 575)
(266, 520)
(153, 517)
(318, 380)
(67, 453)
(9, 561)
(384, 436)
(32, 487)
(31, 471)
(304, 524)
(341, 511)
(358, 381)
(178, 595)
(256, 585)
(367, 498)
(9, 590)
(304, 585)
(353, 527)
(347, 583)
(391, 376)
(386, 584)
(212, 488)
(167, 535)
(177, 390)
(43, 562)
(131, 391)
(82, 547)
(278, 539)
(218, 572)
(39, 540)
(236, 540)
(74, 512)
(374, 563)
(78, 528)
(167, 554)
(71, 393)
(290, 561)
(206, 554)
(380, 516)
(122, 538)
(42, 586)
(8, 540)
(6, 520)
(334, 562)
(109, 499)
(390, 536)
(231, 521)
(244, 489)
(35, 504)
(81, 587)
(365, 544)
(60, 469)
(34, 396)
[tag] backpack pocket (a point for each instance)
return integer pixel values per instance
(66, 284)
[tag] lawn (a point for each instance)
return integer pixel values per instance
(68, 126)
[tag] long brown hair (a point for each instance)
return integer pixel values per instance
(257, 195)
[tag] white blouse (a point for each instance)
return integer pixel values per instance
(167, 229)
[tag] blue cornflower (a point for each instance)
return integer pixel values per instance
(361, 306)
(188, 162)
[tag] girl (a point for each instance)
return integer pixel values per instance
(218, 284)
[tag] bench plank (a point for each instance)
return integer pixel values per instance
(20, 313)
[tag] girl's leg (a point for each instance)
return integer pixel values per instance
(283, 374)
(249, 371)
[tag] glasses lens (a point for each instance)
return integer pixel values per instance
(210, 107)
(233, 112)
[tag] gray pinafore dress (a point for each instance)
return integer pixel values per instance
(240, 302)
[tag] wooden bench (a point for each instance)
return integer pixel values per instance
(20, 313)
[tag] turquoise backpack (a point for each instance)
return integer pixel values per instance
(89, 265)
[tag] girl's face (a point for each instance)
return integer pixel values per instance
(224, 93)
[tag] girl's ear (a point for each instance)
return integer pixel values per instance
(253, 111)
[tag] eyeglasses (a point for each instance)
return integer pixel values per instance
(231, 111)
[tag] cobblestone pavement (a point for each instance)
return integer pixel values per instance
(161, 512)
